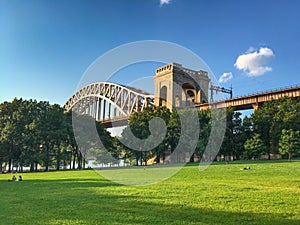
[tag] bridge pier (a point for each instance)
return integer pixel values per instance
(109, 106)
(256, 106)
(104, 106)
(99, 109)
(94, 108)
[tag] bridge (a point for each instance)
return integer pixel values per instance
(109, 102)
(175, 87)
(252, 101)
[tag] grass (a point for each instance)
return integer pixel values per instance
(222, 194)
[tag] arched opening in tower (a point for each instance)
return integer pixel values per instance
(189, 94)
(163, 96)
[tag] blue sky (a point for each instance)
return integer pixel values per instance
(47, 45)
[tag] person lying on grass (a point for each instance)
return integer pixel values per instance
(246, 168)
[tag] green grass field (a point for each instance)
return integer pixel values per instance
(269, 193)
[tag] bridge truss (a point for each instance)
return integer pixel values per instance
(113, 103)
(108, 102)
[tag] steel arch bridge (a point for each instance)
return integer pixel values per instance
(108, 102)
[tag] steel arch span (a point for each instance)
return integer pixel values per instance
(107, 101)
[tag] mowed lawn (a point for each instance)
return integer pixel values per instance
(269, 193)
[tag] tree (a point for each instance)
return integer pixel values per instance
(107, 151)
(93, 140)
(289, 142)
(254, 147)
(265, 124)
(137, 136)
(273, 117)
(33, 136)
(233, 140)
(2, 155)
(174, 130)
(50, 133)
(11, 130)
(32, 133)
(288, 113)
(246, 132)
(205, 129)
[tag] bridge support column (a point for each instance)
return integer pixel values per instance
(109, 106)
(104, 106)
(92, 108)
(88, 106)
(115, 112)
(99, 109)
(256, 106)
(95, 109)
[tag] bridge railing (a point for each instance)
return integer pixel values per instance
(268, 91)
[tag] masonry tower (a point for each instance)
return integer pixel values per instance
(179, 87)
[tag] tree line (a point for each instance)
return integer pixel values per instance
(39, 133)
(273, 129)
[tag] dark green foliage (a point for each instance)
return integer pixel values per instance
(139, 126)
(37, 133)
(273, 117)
(289, 142)
(205, 129)
(254, 147)
(247, 137)
(33, 133)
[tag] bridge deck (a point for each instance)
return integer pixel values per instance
(253, 100)
(239, 103)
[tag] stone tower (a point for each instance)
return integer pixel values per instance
(179, 87)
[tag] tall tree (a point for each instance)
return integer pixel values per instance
(289, 143)
(139, 124)
(273, 117)
(12, 126)
(205, 129)
(254, 147)
(228, 148)
(92, 140)
(265, 125)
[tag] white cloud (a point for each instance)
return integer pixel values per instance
(164, 2)
(254, 63)
(225, 77)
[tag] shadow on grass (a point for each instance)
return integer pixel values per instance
(99, 201)
(60, 183)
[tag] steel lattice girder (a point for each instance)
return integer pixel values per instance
(123, 99)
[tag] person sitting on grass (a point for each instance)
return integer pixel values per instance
(13, 178)
(20, 178)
